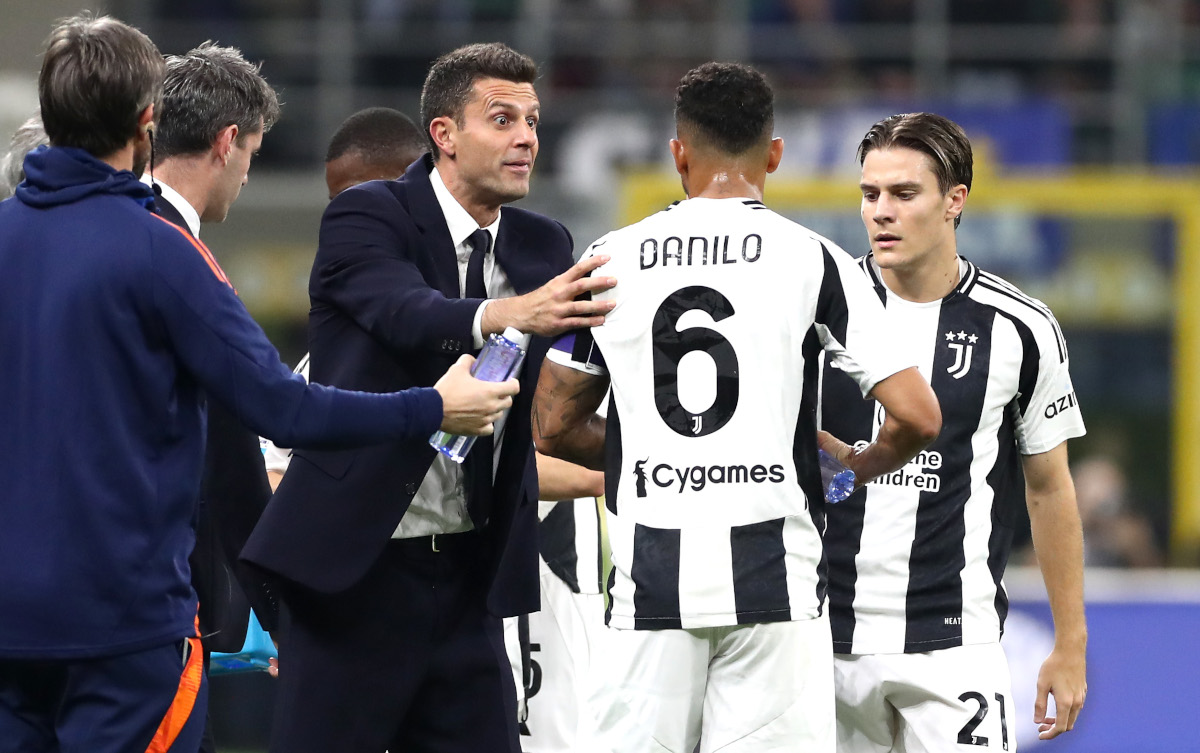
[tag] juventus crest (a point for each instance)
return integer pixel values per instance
(963, 345)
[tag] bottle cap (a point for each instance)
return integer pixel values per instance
(516, 337)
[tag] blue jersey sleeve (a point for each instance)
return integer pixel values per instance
(222, 346)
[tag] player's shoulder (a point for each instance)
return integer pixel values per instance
(995, 291)
(799, 234)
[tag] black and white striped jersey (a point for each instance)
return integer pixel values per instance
(916, 558)
(713, 491)
(569, 542)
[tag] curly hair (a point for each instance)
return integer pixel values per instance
(729, 104)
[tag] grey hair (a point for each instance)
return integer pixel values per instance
(206, 90)
(28, 137)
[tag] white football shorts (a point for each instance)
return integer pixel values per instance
(953, 699)
(761, 688)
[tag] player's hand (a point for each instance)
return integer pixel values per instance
(1063, 675)
(552, 309)
(471, 406)
(835, 447)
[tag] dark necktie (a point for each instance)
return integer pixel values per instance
(480, 242)
(477, 469)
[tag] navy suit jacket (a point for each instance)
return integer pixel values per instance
(386, 315)
(233, 494)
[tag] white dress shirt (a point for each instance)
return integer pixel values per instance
(190, 215)
(440, 504)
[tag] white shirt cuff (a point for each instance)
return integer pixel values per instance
(477, 325)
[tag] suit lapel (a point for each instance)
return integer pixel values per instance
(525, 270)
(427, 214)
(168, 212)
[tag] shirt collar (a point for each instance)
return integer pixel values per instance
(189, 213)
(459, 222)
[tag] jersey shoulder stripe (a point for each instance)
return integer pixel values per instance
(200, 248)
(1036, 315)
(1005, 289)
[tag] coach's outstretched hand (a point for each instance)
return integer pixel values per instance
(470, 406)
(552, 309)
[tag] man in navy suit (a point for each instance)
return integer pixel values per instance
(397, 564)
(216, 108)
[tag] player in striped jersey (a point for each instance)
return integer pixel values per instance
(712, 484)
(916, 600)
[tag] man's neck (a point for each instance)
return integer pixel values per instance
(725, 183)
(483, 212)
(186, 177)
(932, 280)
(121, 159)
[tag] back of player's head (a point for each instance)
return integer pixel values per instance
(28, 137)
(98, 76)
(940, 138)
(206, 90)
(728, 105)
(380, 136)
(450, 79)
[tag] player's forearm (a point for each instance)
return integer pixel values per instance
(912, 420)
(559, 480)
(896, 444)
(1058, 541)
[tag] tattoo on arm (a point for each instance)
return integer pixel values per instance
(565, 424)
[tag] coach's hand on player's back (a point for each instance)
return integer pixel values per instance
(470, 406)
(552, 309)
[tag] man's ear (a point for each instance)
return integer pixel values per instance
(146, 121)
(223, 143)
(444, 132)
(774, 154)
(680, 155)
(958, 199)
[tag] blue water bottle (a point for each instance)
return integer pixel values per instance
(500, 359)
(837, 479)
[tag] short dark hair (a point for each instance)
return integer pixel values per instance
(943, 140)
(28, 137)
(730, 105)
(380, 134)
(448, 85)
(98, 76)
(207, 89)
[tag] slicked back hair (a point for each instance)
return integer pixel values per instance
(98, 76)
(28, 137)
(448, 85)
(730, 105)
(206, 90)
(381, 135)
(941, 139)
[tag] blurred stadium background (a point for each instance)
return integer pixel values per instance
(1086, 119)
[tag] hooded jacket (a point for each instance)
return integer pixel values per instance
(113, 323)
